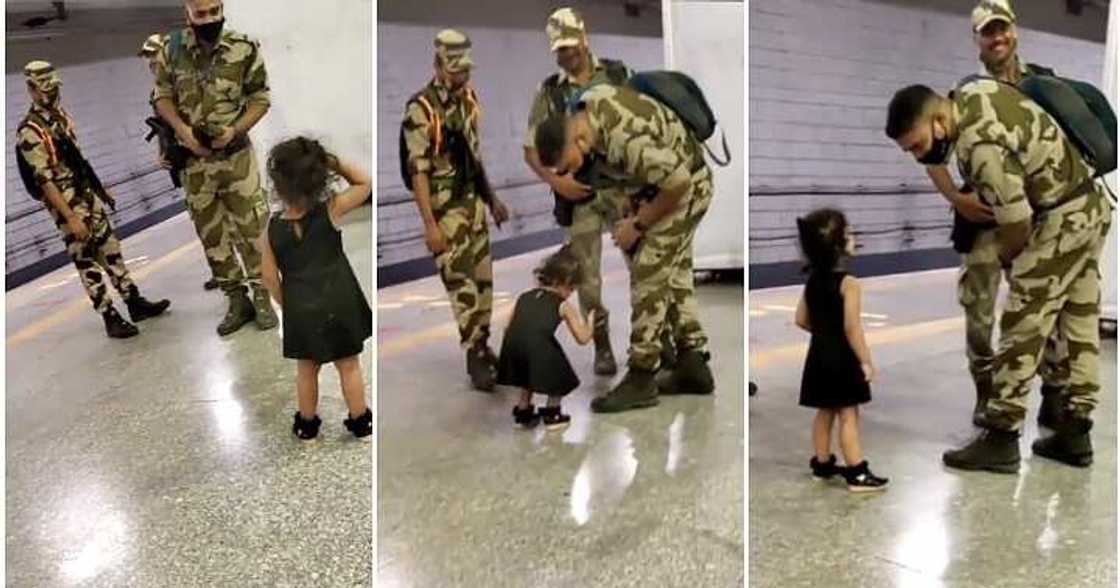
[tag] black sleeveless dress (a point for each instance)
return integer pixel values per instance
(832, 377)
(531, 357)
(326, 316)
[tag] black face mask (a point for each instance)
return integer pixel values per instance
(208, 33)
(938, 152)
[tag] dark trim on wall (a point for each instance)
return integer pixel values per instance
(50, 263)
(415, 269)
(788, 273)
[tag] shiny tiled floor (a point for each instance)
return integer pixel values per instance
(644, 498)
(1051, 525)
(167, 459)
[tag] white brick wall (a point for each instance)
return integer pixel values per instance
(821, 73)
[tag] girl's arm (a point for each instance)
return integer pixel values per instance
(853, 325)
(353, 196)
(580, 329)
(270, 274)
(801, 318)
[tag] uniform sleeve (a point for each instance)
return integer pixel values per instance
(256, 88)
(34, 150)
(638, 145)
(417, 138)
(999, 176)
(165, 85)
(540, 110)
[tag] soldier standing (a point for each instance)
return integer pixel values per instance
(49, 154)
(170, 152)
(1053, 219)
(576, 206)
(642, 142)
(212, 88)
(993, 25)
(442, 155)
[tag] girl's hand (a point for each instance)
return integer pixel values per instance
(591, 318)
(869, 372)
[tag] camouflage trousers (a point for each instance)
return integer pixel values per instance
(977, 289)
(1054, 285)
(585, 237)
(228, 209)
(662, 295)
(465, 267)
(99, 256)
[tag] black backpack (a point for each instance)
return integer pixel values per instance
(683, 96)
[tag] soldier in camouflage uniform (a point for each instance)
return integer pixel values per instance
(149, 51)
(1053, 219)
(993, 25)
(579, 70)
(640, 142)
(441, 141)
(76, 205)
(212, 88)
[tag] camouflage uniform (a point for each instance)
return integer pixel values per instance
(590, 217)
(465, 267)
(646, 142)
(223, 189)
(1023, 164)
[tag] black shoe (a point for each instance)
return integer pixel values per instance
(481, 368)
(306, 430)
(553, 419)
(116, 327)
(860, 479)
(984, 393)
(691, 375)
(140, 308)
(992, 450)
(636, 390)
(1069, 444)
(264, 315)
(752, 388)
(1051, 410)
(211, 284)
(826, 470)
(525, 418)
(362, 426)
(240, 312)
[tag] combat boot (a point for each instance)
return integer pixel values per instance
(1069, 444)
(992, 450)
(636, 390)
(211, 284)
(1050, 412)
(240, 312)
(691, 375)
(480, 367)
(140, 308)
(265, 316)
(116, 327)
(984, 392)
(605, 364)
(668, 352)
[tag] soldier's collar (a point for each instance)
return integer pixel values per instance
(1019, 64)
(596, 65)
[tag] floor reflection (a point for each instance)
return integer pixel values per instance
(606, 473)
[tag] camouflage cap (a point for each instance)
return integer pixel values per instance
(151, 46)
(565, 28)
(988, 10)
(454, 50)
(42, 75)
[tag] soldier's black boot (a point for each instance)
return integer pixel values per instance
(265, 316)
(668, 351)
(140, 308)
(480, 367)
(605, 364)
(984, 391)
(691, 375)
(1051, 410)
(1069, 444)
(636, 390)
(239, 313)
(116, 327)
(992, 450)
(211, 284)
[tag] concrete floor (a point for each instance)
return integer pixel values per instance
(167, 459)
(645, 498)
(1051, 525)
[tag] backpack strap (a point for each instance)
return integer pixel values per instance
(433, 121)
(39, 128)
(617, 72)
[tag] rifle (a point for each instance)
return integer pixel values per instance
(169, 147)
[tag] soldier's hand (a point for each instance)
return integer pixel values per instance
(190, 142)
(78, 229)
(571, 188)
(434, 239)
(164, 163)
(225, 138)
(626, 234)
(499, 211)
(970, 207)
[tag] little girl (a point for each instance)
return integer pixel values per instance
(326, 318)
(838, 369)
(531, 357)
